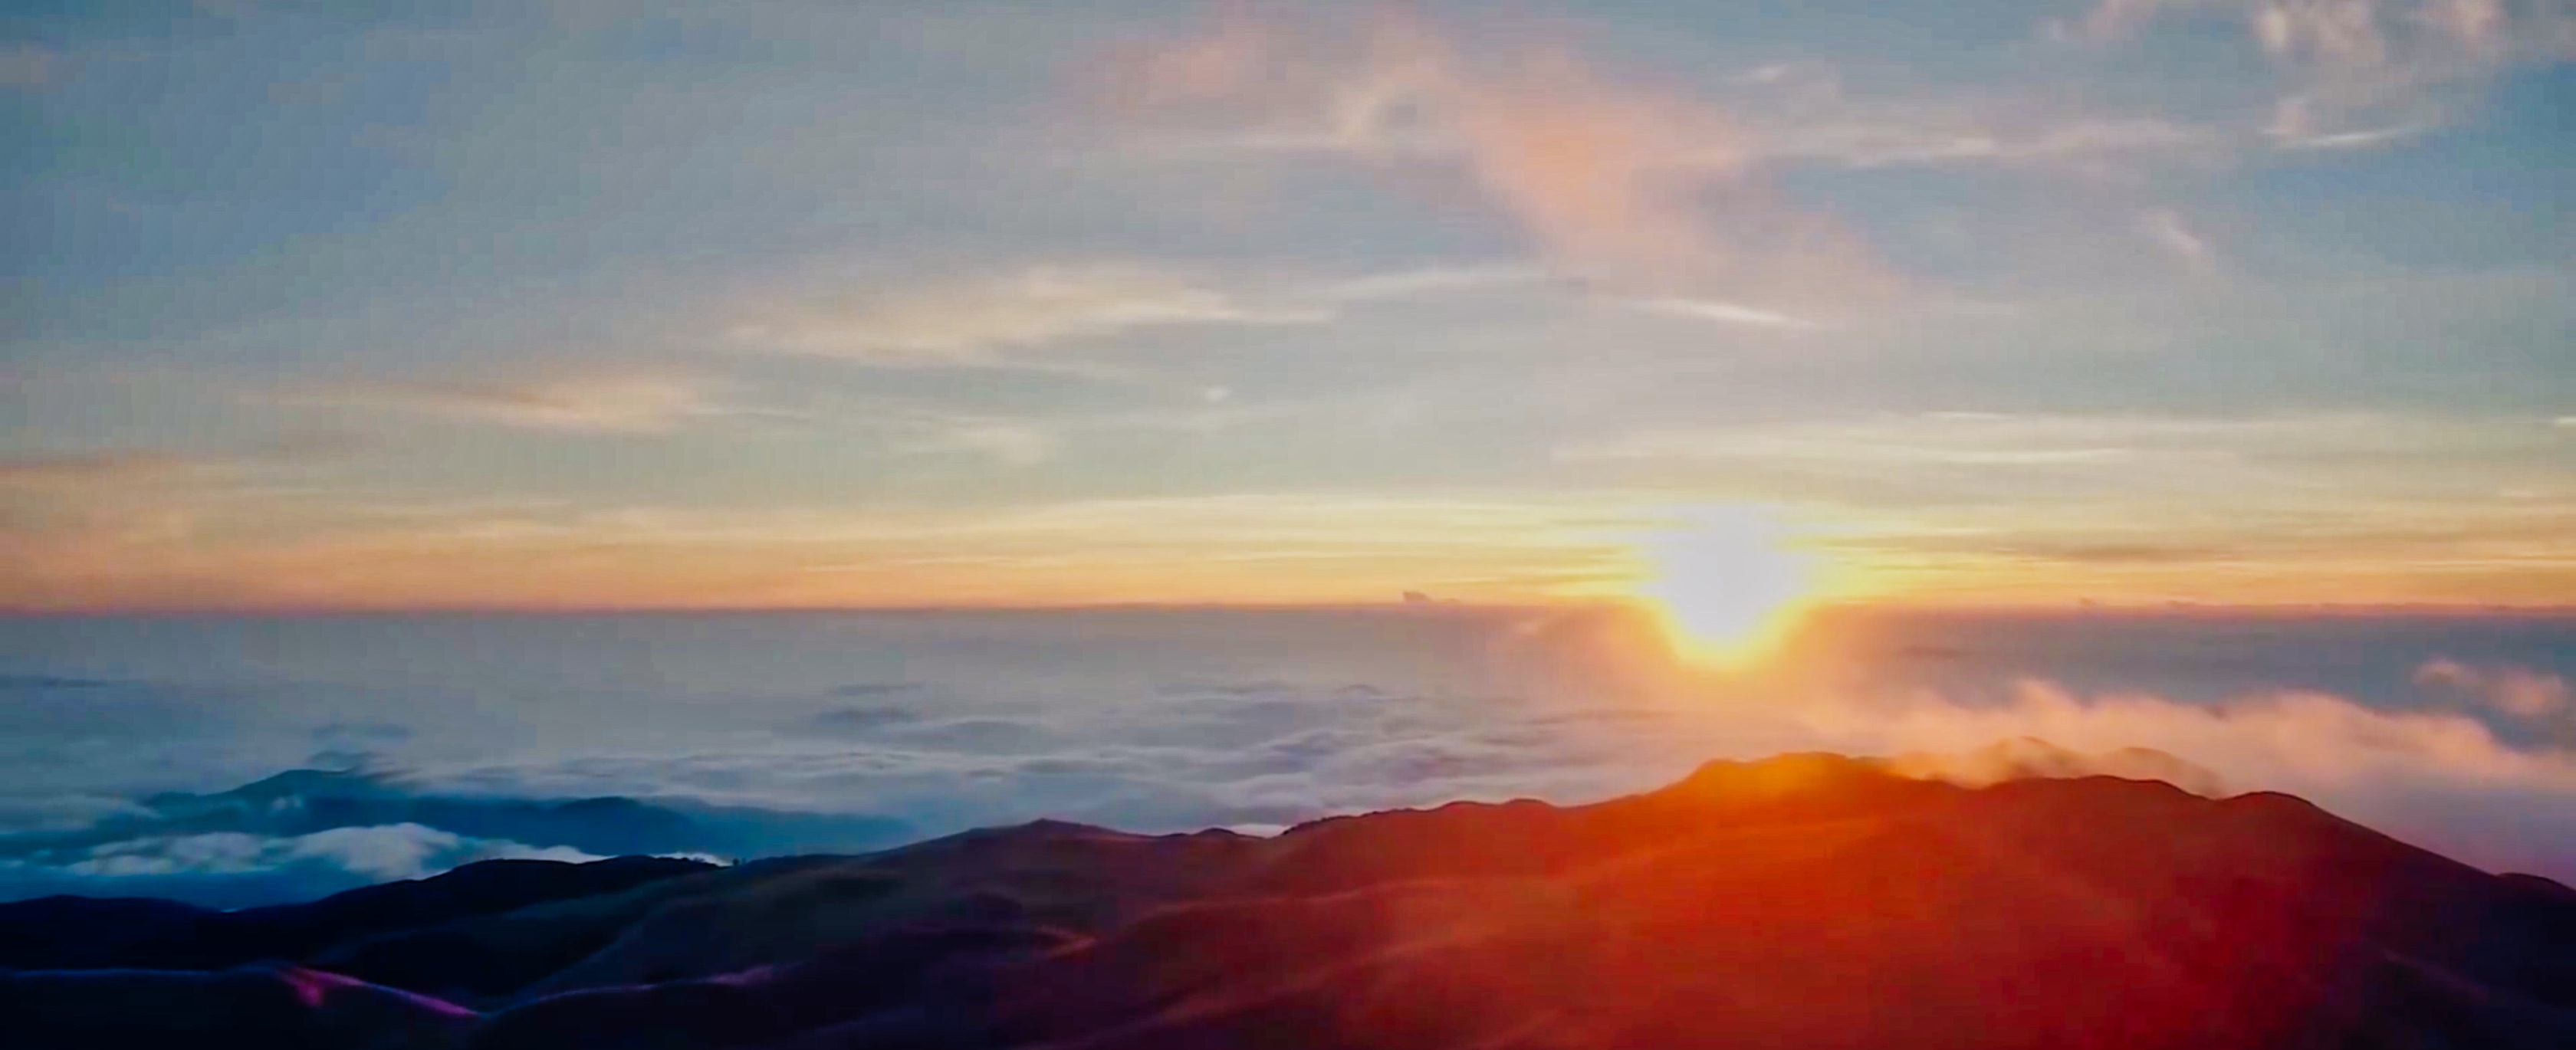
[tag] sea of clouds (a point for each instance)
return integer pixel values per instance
(459, 740)
(237, 869)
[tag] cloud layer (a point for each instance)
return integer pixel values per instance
(821, 731)
(235, 869)
(393, 851)
(1260, 754)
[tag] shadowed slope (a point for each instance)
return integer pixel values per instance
(77, 932)
(247, 1007)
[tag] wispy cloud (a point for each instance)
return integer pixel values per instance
(2340, 439)
(85, 469)
(1429, 281)
(1724, 312)
(1002, 441)
(1610, 178)
(601, 401)
(2375, 63)
(1964, 137)
(2350, 32)
(1939, 438)
(2169, 233)
(2327, 30)
(1035, 316)
(971, 319)
(1806, 113)
(2291, 132)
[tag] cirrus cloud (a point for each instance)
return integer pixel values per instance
(2378, 62)
(1610, 178)
(615, 401)
(971, 319)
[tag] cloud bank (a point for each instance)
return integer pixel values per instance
(232, 869)
(1561, 723)
(392, 851)
(2509, 688)
(813, 739)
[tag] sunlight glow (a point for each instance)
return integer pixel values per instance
(1726, 584)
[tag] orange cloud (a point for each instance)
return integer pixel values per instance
(1611, 179)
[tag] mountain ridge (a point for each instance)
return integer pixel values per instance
(1809, 900)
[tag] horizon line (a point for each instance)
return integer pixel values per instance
(2177, 608)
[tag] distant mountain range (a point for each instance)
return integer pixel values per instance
(1808, 901)
(308, 802)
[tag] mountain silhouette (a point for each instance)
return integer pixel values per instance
(1800, 901)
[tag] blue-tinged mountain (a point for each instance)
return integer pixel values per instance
(307, 800)
(104, 856)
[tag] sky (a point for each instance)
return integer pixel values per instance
(566, 303)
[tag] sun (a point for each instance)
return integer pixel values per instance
(1726, 584)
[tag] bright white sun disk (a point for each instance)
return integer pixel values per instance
(1726, 584)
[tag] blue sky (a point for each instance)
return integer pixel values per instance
(808, 303)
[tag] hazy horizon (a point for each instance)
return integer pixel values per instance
(837, 731)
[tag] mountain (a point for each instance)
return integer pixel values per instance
(303, 801)
(142, 933)
(304, 833)
(1801, 901)
(2030, 758)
